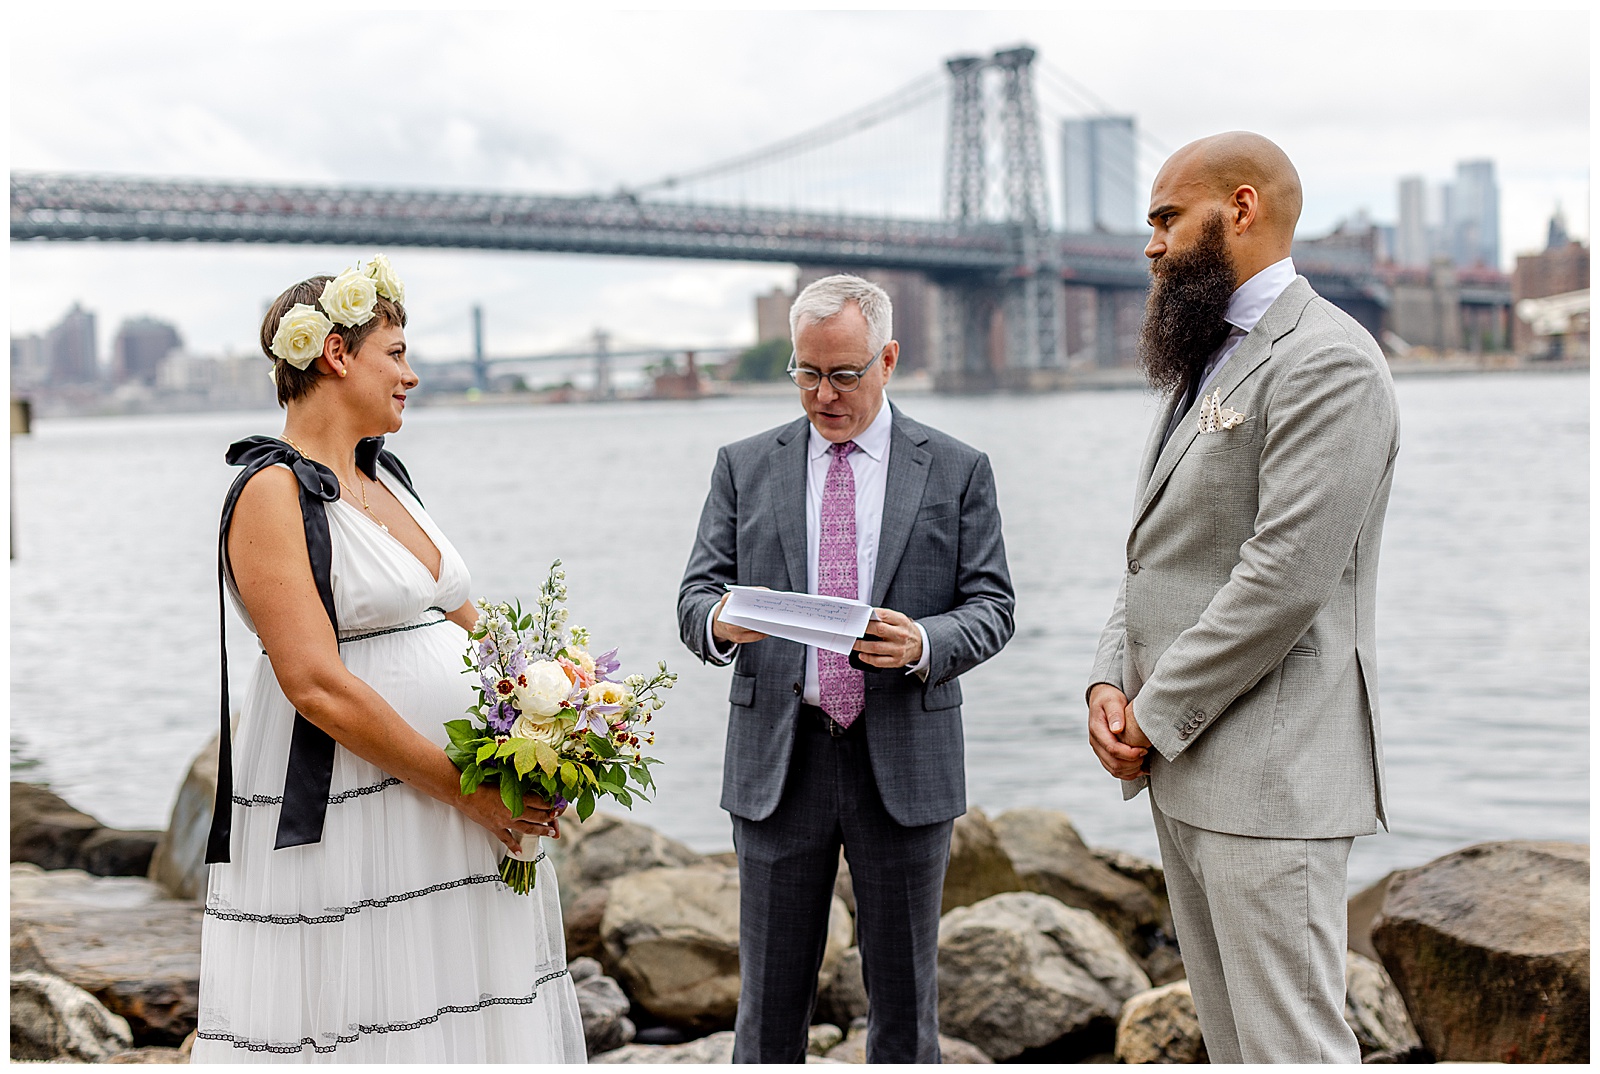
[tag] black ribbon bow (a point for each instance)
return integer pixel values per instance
(310, 769)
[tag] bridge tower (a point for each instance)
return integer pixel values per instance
(1030, 293)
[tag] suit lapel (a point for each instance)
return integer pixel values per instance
(1254, 349)
(902, 496)
(789, 499)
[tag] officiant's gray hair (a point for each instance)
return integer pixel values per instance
(827, 296)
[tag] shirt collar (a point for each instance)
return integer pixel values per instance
(873, 441)
(1249, 303)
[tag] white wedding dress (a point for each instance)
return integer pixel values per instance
(393, 939)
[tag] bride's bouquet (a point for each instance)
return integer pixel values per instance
(550, 719)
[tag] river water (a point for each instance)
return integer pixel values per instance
(1483, 623)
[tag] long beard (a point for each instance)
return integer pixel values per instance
(1183, 323)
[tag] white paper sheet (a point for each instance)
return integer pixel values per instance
(831, 623)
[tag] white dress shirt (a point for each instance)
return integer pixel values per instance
(1246, 306)
(869, 463)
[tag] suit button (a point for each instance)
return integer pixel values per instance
(1133, 566)
(798, 689)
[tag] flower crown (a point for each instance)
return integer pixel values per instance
(349, 298)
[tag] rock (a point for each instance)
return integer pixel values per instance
(845, 998)
(1489, 947)
(1374, 1010)
(1051, 858)
(672, 938)
(53, 1018)
(821, 1037)
(717, 1048)
(603, 1005)
(979, 866)
(607, 846)
(121, 939)
(1142, 871)
(179, 861)
(844, 886)
(1160, 1026)
(150, 1055)
(1021, 970)
(1360, 913)
(25, 954)
(45, 830)
(853, 1049)
(582, 923)
(111, 852)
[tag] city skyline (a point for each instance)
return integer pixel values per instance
(447, 117)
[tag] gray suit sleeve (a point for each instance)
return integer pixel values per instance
(1330, 436)
(979, 623)
(711, 562)
(1113, 639)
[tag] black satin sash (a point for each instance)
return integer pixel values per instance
(310, 769)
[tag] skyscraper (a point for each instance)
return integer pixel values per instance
(1473, 220)
(70, 349)
(139, 349)
(1098, 176)
(1411, 238)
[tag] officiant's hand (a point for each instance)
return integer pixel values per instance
(737, 635)
(485, 809)
(892, 641)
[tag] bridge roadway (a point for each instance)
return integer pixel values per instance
(117, 209)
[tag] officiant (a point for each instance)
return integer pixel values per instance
(853, 499)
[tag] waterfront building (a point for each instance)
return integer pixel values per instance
(141, 346)
(1561, 269)
(1099, 177)
(30, 363)
(1413, 238)
(70, 349)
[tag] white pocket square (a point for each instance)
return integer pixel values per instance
(1214, 417)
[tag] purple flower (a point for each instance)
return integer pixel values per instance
(517, 664)
(593, 719)
(606, 663)
(501, 717)
(486, 651)
(559, 804)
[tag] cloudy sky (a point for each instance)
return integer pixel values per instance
(575, 103)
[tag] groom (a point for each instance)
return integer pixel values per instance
(1237, 676)
(857, 500)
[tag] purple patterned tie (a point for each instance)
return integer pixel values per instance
(841, 688)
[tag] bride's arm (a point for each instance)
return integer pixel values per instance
(267, 550)
(465, 617)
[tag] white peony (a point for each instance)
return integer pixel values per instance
(550, 732)
(384, 278)
(348, 297)
(546, 691)
(609, 693)
(300, 335)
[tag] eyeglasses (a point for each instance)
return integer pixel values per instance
(843, 380)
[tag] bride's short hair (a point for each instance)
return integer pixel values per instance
(293, 383)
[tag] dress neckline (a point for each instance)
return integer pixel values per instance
(357, 512)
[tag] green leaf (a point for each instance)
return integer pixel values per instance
(471, 779)
(511, 795)
(461, 732)
(509, 747)
(601, 746)
(486, 751)
(548, 760)
(625, 798)
(526, 756)
(569, 772)
(585, 805)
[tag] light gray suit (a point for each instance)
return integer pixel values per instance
(890, 788)
(1244, 634)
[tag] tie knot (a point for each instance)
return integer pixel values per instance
(844, 449)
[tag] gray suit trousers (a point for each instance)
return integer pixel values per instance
(787, 865)
(1261, 925)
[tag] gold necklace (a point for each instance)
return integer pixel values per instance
(360, 483)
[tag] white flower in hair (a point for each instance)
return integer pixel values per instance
(300, 335)
(383, 276)
(349, 297)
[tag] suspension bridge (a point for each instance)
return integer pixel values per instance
(964, 202)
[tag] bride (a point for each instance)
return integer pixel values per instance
(355, 911)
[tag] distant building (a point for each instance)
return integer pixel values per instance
(1459, 221)
(1474, 216)
(1099, 178)
(70, 349)
(772, 314)
(140, 348)
(1561, 269)
(30, 363)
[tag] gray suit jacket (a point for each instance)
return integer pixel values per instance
(941, 561)
(1244, 626)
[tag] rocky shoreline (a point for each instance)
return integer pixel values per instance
(1049, 950)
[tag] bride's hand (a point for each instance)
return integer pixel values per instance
(484, 807)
